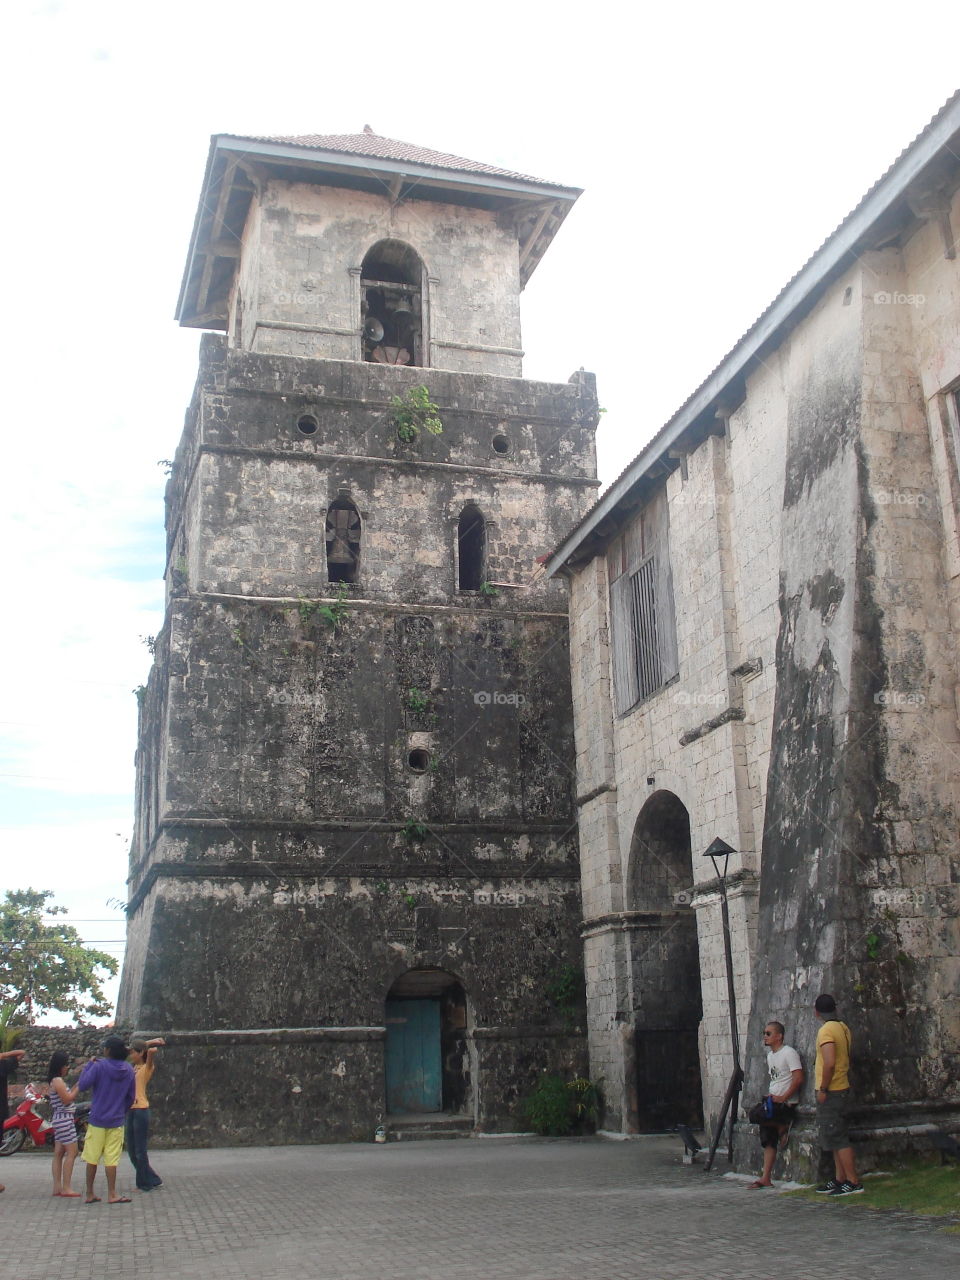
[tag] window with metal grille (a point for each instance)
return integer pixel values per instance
(643, 632)
(646, 636)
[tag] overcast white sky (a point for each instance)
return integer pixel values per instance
(718, 146)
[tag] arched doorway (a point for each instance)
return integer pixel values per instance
(426, 1057)
(665, 967)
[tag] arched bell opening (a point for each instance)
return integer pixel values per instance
(427, 1053)
(391, 304)
(343, 532)
(665, 967)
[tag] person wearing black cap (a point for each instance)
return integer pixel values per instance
(833, 1097)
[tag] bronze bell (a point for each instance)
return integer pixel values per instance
(341, 530)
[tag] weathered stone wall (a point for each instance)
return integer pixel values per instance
(815, 569)
(293, 858)
(299, 276)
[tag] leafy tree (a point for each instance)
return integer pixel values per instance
(47, 966)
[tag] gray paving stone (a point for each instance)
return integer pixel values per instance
(482, 1210)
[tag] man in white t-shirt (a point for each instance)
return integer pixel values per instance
(786, 1081)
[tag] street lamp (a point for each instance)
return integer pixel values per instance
(719, 854)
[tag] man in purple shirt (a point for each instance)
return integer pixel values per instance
(114, 1085)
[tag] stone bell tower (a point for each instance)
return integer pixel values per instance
(355, 859)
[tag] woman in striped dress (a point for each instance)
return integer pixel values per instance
(62, 1100)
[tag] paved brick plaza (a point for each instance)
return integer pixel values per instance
(466, 1210)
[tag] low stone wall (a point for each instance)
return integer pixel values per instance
(40, 1043)
(223, 1088)
(883, 1137)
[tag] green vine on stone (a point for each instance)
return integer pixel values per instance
(488, 589)
(331, 614)
(415, 412)
(417, 700)
(414, 831)
(563, 989)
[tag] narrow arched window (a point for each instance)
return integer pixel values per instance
(391, 304)
(343, 541)
(471, 548)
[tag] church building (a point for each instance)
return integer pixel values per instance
(765, 612)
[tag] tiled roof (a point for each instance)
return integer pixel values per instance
(372, 144)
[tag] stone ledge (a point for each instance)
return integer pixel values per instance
(727, 715)
(266, 1035)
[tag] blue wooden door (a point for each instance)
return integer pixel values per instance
(413, 1056)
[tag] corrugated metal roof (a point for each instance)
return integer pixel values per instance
(372, 144)
(667, 431)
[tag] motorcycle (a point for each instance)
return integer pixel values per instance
(27, 1120)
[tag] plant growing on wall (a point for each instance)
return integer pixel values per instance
(563, 989)
(414, 831)
(557, 1107)
(417, 700)
(415, 412)
(332, 614)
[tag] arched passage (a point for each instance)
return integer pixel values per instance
(426, 1056)
(665, 967)
(391, 304)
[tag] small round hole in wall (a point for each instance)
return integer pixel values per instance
(419, 760)
(308, 425)
(501, 444)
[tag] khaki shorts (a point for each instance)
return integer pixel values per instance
(832, 1120)
(105, 1143)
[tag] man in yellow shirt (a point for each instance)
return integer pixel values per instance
(833, 1095)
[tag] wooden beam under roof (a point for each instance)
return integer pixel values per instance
(534, 234)
(216, 232)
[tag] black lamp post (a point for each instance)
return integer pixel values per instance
(719, 854)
